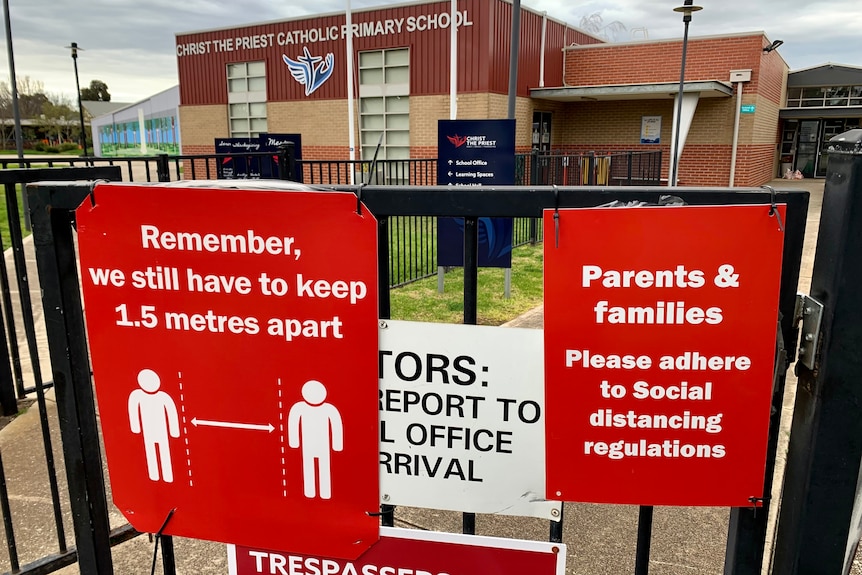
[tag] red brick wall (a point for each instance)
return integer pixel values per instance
(650, 62)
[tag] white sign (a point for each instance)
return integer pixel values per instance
(462, 418)
(650, 129)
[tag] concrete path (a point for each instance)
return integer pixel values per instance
(600, 538)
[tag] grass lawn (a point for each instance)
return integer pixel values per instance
(420, 301)
(4, 218)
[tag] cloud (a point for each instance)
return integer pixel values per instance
(130, 44)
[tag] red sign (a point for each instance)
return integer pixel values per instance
(233, 336)
(660, 327)
(413, 552)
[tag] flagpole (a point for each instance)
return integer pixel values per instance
(351, 128)
(453, 63)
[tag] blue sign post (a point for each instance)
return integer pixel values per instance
(475, 153)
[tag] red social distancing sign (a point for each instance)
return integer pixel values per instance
(234, 348)
(660, 327)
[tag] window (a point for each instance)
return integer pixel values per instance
(246, 87)
(818, 97)
(384, 103)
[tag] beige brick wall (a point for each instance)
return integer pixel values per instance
(200, 125)
(321, 122)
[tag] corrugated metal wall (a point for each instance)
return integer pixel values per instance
(483, 47)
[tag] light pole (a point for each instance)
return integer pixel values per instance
(687, 8)
(74, 47)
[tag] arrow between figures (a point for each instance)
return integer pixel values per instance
(197, 422)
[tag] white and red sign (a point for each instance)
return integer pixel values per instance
(461, 418)
(660, 326)
(233, 336)
(413, 552)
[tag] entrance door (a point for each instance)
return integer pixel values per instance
(807, 150)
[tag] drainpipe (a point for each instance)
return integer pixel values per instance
(542, 53)
(738, 77)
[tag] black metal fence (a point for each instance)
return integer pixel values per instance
(413, 243)
(15, 386)
(56, 255)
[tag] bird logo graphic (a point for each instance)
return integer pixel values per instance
(457, 140)
(310, 71)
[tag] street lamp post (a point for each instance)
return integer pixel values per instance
(687, 8)
(74, 48)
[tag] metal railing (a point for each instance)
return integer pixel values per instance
(413, 244)
(15, 385)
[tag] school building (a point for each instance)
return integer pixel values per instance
(744, 116)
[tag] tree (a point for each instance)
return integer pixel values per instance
(595, 24)
(97, 92)
(31, 99)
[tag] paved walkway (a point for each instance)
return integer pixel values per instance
(601, 538)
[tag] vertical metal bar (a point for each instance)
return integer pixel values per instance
(8, 399)
(10, 324)
(27, 314)
(629, 166)
(387, 512)
(11, 545)
(556, 531)
(169, 564)
(163, 169)
(644, 541)
(67, 343)
(471, 291)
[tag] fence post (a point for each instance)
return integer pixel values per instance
(631, 161)
(287, 161)
(534, 167)
(67, 343)
(163, 170)
(819, 523)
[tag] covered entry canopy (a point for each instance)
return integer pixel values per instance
(623, 96)
(653, 91)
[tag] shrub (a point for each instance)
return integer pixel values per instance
(52, 149)
(39, 146)
(68, 146)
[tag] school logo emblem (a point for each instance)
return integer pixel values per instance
(310, 71)
(457, 140)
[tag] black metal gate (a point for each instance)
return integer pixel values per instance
(52, 209)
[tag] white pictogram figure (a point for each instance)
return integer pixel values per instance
(154, 414)
(316, 426)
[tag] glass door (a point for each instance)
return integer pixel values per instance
(807, 150)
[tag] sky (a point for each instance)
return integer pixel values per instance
(130, 44)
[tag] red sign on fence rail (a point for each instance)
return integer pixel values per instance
(234, 347)
(660, 327)
(413, 552)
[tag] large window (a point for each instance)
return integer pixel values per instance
(246, 90)
(818, 97)
(384, 103)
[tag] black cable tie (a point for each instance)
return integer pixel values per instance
(773, 207)
(159, 537)
(556, 216)
(93, 193)
(755, 500)
(375, 513)
(165, 524)
(359, 199)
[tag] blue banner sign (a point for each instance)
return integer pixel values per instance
(475, 153)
